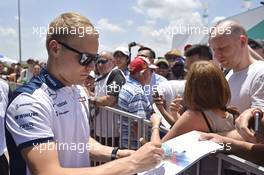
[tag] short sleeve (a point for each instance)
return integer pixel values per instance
(165, 90)
(28, 120)
(140, 106)
(257, 93)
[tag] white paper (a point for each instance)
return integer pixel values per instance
(187, 149)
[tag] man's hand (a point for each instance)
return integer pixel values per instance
(176, 106)
(159, 101)
(242, 125)
(107, 100)
(155, 120)
(147, 157)
(124, 153)
(93, 100)
(213, 137)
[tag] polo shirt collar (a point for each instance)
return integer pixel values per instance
(51, 81)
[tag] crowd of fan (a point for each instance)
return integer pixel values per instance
(192, 88)
(20, 73)
(214, 90)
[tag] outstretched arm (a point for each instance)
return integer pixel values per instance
(46, 162)
(103, 153)
(246, 150)
(155, 136)
(159, 101)
(107, 100)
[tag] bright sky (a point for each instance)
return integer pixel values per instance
(119, 21)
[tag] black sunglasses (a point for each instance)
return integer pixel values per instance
(86, 58)
(101, 61)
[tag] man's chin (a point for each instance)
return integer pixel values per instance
(78, 83)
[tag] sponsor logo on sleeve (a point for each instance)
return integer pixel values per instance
(62, 103)
(26, 115)
(27, 126)
(61, 113)
(23, 104)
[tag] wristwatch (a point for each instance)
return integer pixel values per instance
(114, 152)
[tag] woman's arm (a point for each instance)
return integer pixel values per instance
(159, 101)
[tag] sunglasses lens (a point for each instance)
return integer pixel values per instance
(87, 59)
(102, 61)
(83, 59)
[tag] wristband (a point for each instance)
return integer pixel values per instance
(113, 154)
(155, 127)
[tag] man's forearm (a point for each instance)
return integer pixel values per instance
(123, 166)
(99, 152)
(249, 151)
(107, 100)
(47, 162)
(232, 134)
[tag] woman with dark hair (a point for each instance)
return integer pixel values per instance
(206, 97)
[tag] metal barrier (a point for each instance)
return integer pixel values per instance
(249, 167)
(117, 118)
(142, 131)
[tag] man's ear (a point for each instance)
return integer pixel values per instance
(244, 41)
(54, 47)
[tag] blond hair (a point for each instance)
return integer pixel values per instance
(68, 25)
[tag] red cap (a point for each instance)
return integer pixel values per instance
(140, 63)
(187, 46)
